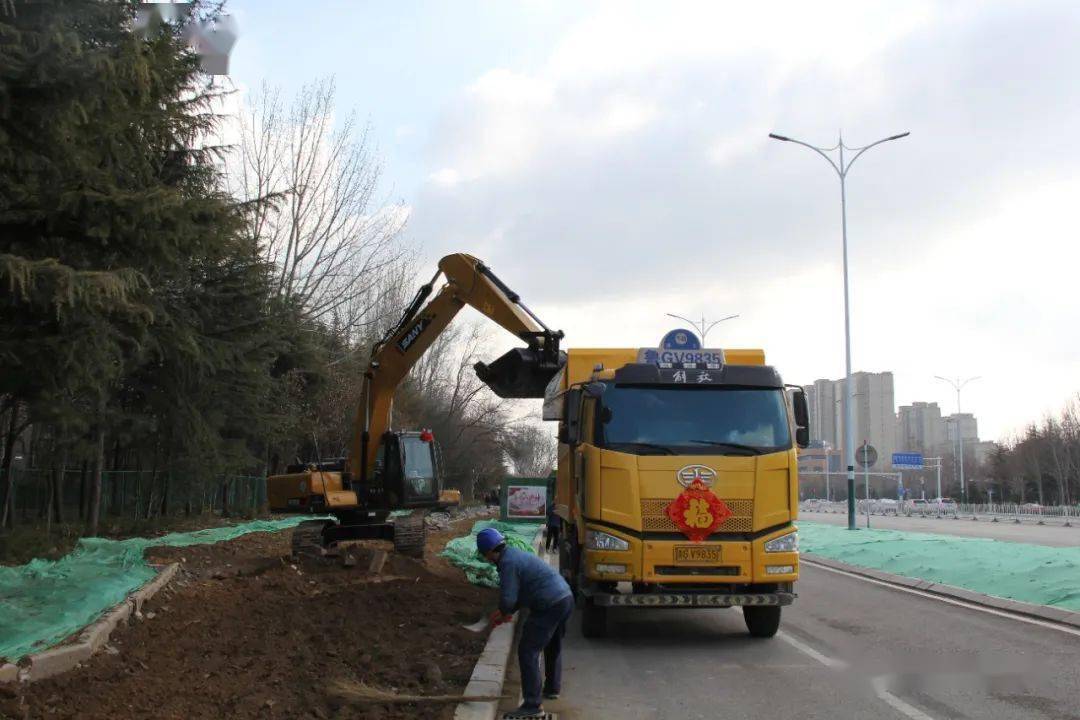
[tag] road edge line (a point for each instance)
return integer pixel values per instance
(92, 638)
(1046, 613)
(489, 673)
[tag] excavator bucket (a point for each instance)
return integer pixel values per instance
(520, 373)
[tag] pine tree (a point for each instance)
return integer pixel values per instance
(131, 304)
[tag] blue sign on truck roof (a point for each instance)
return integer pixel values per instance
(680, 339)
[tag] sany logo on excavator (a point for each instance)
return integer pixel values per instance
(687, 475)
(414, 332)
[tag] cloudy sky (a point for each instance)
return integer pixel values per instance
(611, 162)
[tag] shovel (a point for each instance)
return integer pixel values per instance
(479, 626)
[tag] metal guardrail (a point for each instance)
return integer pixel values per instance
(1066, 515)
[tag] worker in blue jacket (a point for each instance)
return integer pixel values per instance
(526, 581)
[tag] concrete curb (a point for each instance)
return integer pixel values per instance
(489, 674)
(93, 638)
(1041, 612)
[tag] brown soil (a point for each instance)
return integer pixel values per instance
(243, 632)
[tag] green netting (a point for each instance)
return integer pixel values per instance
(461, 551)
(1017, 571)
(45, 601)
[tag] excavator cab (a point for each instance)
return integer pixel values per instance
(406, 469)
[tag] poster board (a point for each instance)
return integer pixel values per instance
(525, 499)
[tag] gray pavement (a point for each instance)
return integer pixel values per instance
(1054, 535)
(847, 649)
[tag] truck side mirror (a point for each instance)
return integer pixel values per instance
(572, 417)
(802, 418)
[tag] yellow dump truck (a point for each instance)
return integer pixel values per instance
(677, 481)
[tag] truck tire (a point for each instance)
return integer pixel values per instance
(762, 621)
(569, 558)
(593, 620)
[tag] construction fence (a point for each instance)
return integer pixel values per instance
(1016, 512)
(135, 494)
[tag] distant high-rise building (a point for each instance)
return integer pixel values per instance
(823, 400)
(873, 413)
(968, 425)
(919, 428)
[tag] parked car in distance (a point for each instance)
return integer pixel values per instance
(944, 505)
(916, 507)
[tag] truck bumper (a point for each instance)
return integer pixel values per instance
(697, 599)
(720, 562)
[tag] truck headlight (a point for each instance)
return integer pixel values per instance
(784, 543)
(596, 540)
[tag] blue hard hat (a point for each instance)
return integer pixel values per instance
(488, 539)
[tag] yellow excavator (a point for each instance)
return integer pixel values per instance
(397, 471)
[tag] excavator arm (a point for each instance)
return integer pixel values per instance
(520, 373)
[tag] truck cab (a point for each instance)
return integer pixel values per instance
(678, 483)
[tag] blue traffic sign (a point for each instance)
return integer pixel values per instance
(907, 461)
(680, 339)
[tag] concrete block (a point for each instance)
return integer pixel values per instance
(9, 673)
(378, 559)
(488, 673)
(476, 711)
(147, 591)
(498, 645)
(484, 688)
(98, 634)
(58, 660)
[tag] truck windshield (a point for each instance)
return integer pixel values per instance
(419, 471)
(693, 420)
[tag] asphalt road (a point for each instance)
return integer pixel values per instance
(848, 648)
(1055, 535)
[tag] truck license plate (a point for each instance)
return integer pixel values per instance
(697, 554)
(294, 502)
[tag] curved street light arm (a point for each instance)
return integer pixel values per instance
(818, 150)
(680, 317)
(867, 147)
(715, 323)
(948, 380)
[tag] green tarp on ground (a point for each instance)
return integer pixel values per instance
(1017, 571)
(461, 551)
(45, 601)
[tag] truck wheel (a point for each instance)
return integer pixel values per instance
(762, 621)
(593, 620)
(569, 561)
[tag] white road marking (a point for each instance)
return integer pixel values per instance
(951, 601)
(881, 687)
(807, 650)
(880, 683)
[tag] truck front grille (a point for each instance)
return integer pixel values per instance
(685, 570)
(655, 519)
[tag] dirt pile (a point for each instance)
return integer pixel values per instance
(244, 632)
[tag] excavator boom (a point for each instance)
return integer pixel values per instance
(520, 373)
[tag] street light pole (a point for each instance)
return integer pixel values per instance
(842, 171)
(958, 385)
(701, 328)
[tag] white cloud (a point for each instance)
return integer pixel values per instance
(446, 176)
(628, 174)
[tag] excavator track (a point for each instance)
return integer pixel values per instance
(307, 539)
(410, 534)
